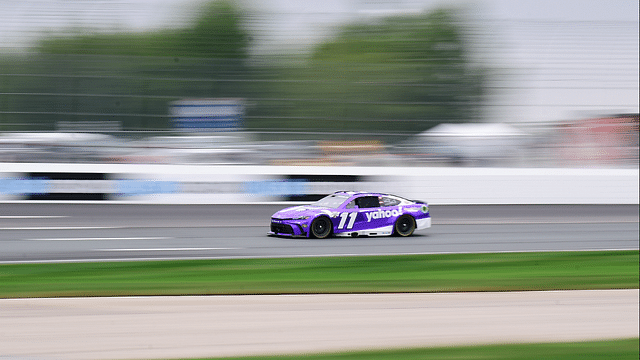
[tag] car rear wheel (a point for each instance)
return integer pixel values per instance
(405, 225)
(321, 227)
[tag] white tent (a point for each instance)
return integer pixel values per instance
(481, 141)
(474, 130)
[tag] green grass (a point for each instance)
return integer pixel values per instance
(368, 274)
(592, 350)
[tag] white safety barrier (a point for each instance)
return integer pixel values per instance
(201, 184)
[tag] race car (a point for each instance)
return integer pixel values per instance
(347, 213)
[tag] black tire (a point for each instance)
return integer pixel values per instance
(321, 227)
(405, 225)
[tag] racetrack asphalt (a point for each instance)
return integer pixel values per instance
(42, 232)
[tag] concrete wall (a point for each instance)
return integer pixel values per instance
(200, 184)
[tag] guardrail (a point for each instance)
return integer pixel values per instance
(201, 184)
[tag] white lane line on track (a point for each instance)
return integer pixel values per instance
(103, 238)
(121, 227)
(529, 222)
(167, 249)
(32, 216)
(61, 228)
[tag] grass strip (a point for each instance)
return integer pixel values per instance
(358, 274)
(614, 349)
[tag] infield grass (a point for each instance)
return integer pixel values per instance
(361, 274)
(626, 349)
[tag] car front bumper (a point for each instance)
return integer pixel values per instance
(291, 228)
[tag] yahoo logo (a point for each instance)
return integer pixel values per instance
(381, 214)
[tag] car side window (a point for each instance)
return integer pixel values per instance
(387, 201)
(351, 205)
(368, 202)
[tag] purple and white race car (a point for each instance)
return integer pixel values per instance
(347, 213)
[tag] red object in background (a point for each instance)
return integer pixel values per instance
(609, 140)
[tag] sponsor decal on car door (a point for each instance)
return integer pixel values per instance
(382, 217)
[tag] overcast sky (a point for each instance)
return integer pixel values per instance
(566, 57)
(25, 18)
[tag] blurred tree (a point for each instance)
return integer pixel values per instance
(216, 33)
(401, 74)
(127, 77)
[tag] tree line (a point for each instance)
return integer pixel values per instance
(401, 74)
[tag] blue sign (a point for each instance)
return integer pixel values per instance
(207, 114)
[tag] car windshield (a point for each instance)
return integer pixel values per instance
(331, 201)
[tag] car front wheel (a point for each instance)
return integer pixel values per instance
(321, 227)
(405, 225)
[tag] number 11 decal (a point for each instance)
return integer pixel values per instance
(343, 219)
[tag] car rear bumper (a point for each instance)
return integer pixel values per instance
(423, 223)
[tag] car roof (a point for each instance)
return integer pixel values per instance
(354, 193)
(366, 193)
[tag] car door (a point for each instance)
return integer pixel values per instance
(349, 219)
(354, 215)
(369, 209)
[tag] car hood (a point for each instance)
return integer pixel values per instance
(300, 211)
